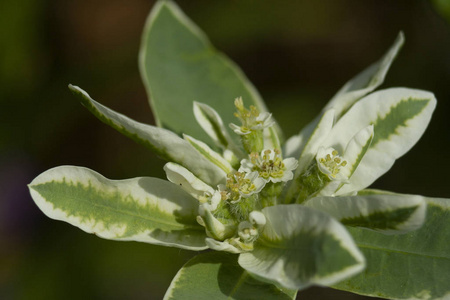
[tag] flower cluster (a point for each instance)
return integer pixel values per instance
(282, 206)
(231, 213)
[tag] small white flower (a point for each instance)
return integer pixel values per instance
(270, 166)
(331, 164)
(251, 119)
(242, 184)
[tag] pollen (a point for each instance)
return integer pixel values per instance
(331, 163)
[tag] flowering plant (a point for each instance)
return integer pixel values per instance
(281, 216)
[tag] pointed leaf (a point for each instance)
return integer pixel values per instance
(216, 275)
(353, 154)
(271, 138)
(409, 266)
(213, 125)
(187, 181)
(389, 214)
(179, 65)
(141, 209)
(165, 143)
(308, 142)
(356, 149)
(210, 154)
(399, 116)
(300, 246)
(365, 82)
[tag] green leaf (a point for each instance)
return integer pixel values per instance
(212, 124)
(179, 65)
(300, 246)
(399, 116)
(305, 146)
(389, 214)
(217, 275)
(415, 265)
(141, 209)
(165, 143)
(209, 154)
(365, 82)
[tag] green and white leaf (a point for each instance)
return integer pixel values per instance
(365, 82)
(141, 209)
(213, 125)
(217, 275)
(399, 116)
(165, 143)
(309, 138)
(179, 65)
(409, 266)
(315, 139)
(353, 154)
(209, 154)
(187, 181)
(356, 149)
(389, 214)
(305, 146)
(271, 138)
(300, 246)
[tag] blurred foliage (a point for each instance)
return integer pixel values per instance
(296, 53)
(443, 7)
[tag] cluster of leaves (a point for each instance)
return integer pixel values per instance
(297, 213)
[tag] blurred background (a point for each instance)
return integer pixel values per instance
(297, 54)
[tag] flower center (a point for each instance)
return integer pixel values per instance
(249, 118)
(269, 164)
(331, 163)
(238, 184)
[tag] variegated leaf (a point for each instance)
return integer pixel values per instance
(410, 266)
(399, 116)
(179, 65)
(210, 155)
(187, 181)
(308, 142)
(356, 149)
(164, 142)
(141, 209)
(365, 82)
(389, 214)
(271, 138)
(217, 275)
(300, 246)
(212, 124)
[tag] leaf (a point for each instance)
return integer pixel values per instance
(209, 154)
(165, 143)
(365, 82)
(216, 275)
(415, 265)
(307, 144)
(271, 138)
(186, 180)
(212, 124)
(399, 116)
(141, 209)
(356, 149)
(389, 214)
(179, 65)
(300, 246)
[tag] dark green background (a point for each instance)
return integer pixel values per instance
(296, 53)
